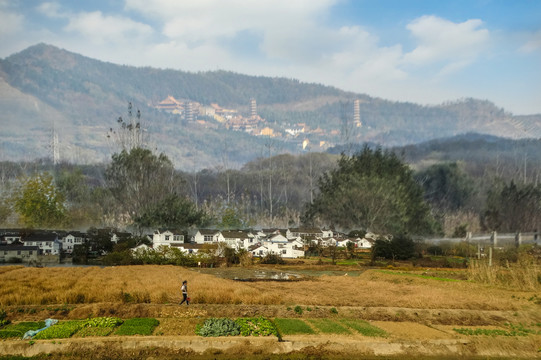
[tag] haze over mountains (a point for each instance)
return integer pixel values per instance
(44, 87)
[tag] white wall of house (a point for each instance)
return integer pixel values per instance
(69, 241)
(46, 247)
(246, 243)
(25, 253)
(166, 238)
(365, 243)
(207, 237)
(327, 233)
(260, 251)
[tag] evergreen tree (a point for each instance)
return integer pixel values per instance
(373, 190)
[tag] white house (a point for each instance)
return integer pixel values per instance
(48, 243)
(327, 233)
(258, 250)
(329, 241)
(167, 238)
(139, 249)
(304, 233)
(365, 243)
(237, 239)
(280, 245)
(24, 253)
(277, 238)
(344, 242)
(73, 238)
(204, 236)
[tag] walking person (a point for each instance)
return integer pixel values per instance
(184, 289)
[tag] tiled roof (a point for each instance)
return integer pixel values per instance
(234, 234)
(17, 247)
(41, 237)
(208, 231)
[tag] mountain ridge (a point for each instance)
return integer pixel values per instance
(84, 96)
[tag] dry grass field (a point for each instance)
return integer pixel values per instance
(161, 284)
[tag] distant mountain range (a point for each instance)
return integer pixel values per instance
(44, 88)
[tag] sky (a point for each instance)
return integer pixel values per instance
(422, 51)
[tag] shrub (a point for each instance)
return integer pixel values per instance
(138, 326)
(218, 327)
(298, 310)
(272, 259)
(334, 311)
(3, 318)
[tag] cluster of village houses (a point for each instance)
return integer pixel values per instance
(287, 243)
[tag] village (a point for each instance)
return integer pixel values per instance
(214, 115)
(53, 246)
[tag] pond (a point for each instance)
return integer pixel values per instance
(247, 274)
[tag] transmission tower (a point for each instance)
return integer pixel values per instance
(54, 147)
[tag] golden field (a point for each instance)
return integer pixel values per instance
(161, 285)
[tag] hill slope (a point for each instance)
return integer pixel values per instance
(43, 85)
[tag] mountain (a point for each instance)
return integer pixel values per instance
(44, 87)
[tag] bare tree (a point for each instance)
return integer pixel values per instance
(131, 132)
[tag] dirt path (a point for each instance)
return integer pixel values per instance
(404, 340)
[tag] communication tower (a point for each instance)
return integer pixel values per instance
(357, 113)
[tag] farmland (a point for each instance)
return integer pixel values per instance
(394, 311)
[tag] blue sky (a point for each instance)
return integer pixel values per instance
(422, 51)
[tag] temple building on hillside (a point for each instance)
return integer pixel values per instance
(171, 105)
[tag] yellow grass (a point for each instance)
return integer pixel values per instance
(161, 284)
(524, 275)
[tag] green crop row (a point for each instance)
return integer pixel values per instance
(101, 326)
(514, 330)
(18, 330)
(137, 326)
(61, 330)
(288, 326)
(256, 326)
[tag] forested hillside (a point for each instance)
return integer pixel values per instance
(44, 88)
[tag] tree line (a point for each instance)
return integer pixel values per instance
(373, 189)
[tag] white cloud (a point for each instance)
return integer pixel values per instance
(533, 44)
(11, 22)
(280, 23)
(99, 28)
(441, 40)
(51, 9)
